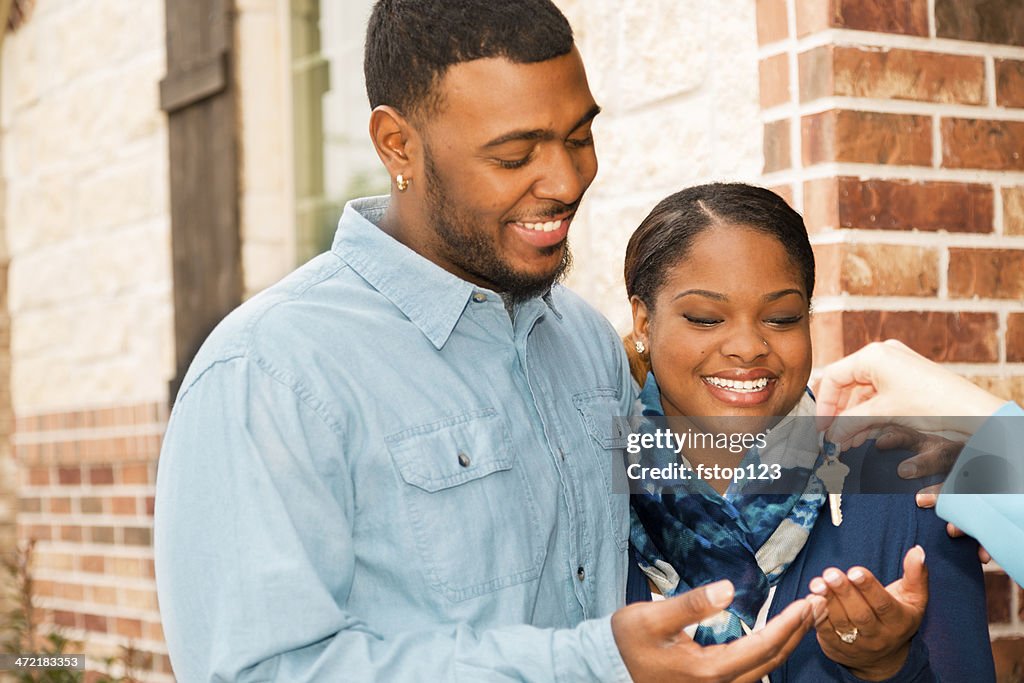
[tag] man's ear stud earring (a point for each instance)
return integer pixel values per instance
(402, 182)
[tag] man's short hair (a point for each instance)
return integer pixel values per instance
(410, 44)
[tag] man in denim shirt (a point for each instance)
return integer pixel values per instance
(395, 464)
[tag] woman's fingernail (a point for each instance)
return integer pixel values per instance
(857, 575)
(922, 552)
(907, 470)
(833, 577)
(818, 608)
(818, 586)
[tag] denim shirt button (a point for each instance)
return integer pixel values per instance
(464, 459)
(580, 573)
(479, 297)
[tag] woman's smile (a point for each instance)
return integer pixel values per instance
(741, 388)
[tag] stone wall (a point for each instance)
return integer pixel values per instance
(85, 168)
(87, 231)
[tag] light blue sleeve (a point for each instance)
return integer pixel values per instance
(255, 557)
(995, 520)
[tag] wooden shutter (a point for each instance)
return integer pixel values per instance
(198, 96)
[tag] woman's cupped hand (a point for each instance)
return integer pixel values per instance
(868, 627)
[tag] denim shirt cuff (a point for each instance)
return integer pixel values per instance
(590, 654)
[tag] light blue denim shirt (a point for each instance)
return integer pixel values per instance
(996, 520)
(373, 473)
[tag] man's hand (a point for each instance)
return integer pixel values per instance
(654, 647)
(880, 620)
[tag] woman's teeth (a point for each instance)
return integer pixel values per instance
(543, 227)
(746, 386)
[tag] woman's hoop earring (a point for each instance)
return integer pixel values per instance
(402, 182)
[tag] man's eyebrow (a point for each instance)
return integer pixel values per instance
(539, 133)
(588, 117)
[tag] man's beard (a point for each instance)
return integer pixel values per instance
(476, 253)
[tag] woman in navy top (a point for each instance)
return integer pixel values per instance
(720, 279)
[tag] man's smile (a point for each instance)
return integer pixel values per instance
(543, 233)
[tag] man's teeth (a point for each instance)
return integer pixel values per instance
(543, 227)
(737, 385)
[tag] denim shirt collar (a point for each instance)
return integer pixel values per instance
(427, 294)
(431, 297)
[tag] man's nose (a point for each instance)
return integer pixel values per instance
(566, 175)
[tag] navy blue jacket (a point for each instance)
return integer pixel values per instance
(877, 530)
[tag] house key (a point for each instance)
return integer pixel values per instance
(832, 474)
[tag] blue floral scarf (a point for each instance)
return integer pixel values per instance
(687, 535)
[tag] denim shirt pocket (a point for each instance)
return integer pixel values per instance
(469, 504)
(606, 427)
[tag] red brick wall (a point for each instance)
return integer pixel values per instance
(86, 495)
(897, 128)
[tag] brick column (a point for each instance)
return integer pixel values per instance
(897, 128)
